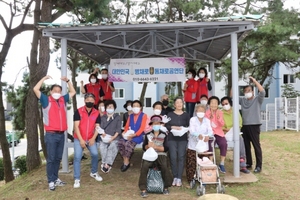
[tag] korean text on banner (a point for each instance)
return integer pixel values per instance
(147, 70)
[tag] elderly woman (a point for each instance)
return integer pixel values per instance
(199, 128)
(128, 108)
(111, 124)
(177, 144)
(136, 122)
(227, 115)
(159, 144)
(217, 122)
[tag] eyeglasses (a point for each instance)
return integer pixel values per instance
(89, 95)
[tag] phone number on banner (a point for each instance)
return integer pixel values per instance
(145, 79)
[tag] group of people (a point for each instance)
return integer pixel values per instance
(97, 126)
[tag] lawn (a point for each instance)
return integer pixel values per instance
(278, 180)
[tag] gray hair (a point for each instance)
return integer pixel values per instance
(200, 106)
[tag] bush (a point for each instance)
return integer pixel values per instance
(1, 170)
(21, 164)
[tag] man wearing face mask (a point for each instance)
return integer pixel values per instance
(107, 88)
(165, 101)
(55, 124)
(251, 108)
(86, 119)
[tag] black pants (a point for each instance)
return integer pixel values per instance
(161, 163)
(251, 134)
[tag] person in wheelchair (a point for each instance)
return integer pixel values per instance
(156, 139)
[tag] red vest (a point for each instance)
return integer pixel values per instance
(106, 89)
(93, 89)
(55, 115)
(190, 94)
(202, 88)
(87, 123)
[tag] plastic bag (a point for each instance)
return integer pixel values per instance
(129, 132)
(164, 129)
(106, 139)
(201, 146)
(99, 130)
(150, 155)
(179, 132)
(155, 183)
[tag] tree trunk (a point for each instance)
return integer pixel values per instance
(42, 132)
(128, 11)
(229, 82)
(8, 173)
(73, 70)
(143, 92)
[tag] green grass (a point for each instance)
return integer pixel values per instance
(278, 180)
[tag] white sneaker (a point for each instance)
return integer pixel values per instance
(96, 176)
(59, 182)
(76, 183)
(51, 186)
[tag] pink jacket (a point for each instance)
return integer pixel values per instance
(216, 121)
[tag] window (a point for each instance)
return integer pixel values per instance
(267, 92)
(148, 103)
(119, 93)
(78, 90)
(288, 78)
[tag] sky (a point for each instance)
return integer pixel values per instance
(21, 46)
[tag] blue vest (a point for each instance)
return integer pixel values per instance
(136, 126)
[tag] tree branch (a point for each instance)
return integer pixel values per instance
(22, 27)
(3, 22)
(26, 12)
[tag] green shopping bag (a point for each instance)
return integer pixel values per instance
(155, 183)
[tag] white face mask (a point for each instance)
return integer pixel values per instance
(56, 95)
(156, 111)
(104, 76)
(110, 110)
(201, 75)
(129, 108)
(93, 80)
(102, 108)
(248, 95)
(200, 114)
(204, 102)
(189, 76)
(226, 107)
(136, 110)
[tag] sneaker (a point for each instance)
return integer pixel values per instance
(257, 170)
(248, 166)
(166, 191)
(178, 183)
(51, 186)
(96, 176)
(174, 181)
(59, 182)
(76, 183)
(222, 169)
(144, 194)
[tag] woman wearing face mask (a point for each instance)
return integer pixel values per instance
(228, 119)
(177, 145)
(111, 124)
(158, 142)
(128, 108)
(203, 83)
(136, 122)
(107, 87)
(217, 122)
(101, 108)
(92, 87)
(199, 128)
(190, 90)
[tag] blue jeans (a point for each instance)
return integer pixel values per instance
(55, 146)
(190, 107)
(78, 155)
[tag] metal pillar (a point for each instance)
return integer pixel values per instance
(65, 163)
(235, 101)
(212, 77)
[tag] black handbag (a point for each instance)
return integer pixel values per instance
(155, 183)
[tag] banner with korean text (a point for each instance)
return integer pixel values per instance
(147, 70)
